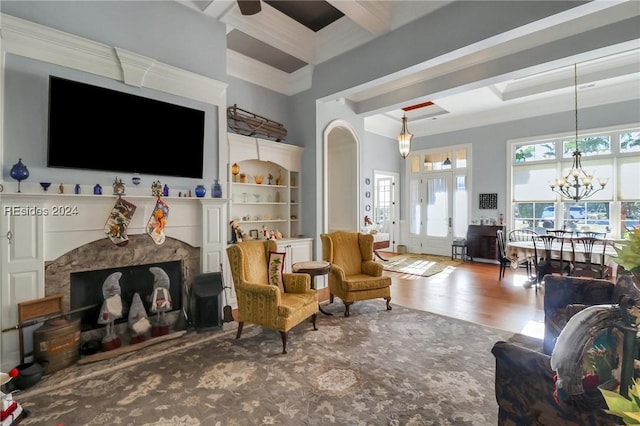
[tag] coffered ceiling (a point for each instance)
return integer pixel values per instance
(279, 46)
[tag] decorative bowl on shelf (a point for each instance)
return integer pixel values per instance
(45, 185)
(258, 179)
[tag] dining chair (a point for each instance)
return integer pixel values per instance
(505, 260)
(521, 234)
(559, 232)
(590, 234)
(549, 256)
(524, 234)
(588, 257)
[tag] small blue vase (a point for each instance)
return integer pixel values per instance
(216, 189)
(97, 190)
(200, 191)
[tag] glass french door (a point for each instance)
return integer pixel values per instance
(438, 214)
(431, 221)
(438, 198)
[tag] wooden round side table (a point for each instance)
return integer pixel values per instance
(314, 269)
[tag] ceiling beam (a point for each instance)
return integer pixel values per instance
(374, 16)
(275, 28)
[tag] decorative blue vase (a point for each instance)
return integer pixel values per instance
(200, 191)
(97, 190)
(165, 190)
(19, 172)
(216, 189)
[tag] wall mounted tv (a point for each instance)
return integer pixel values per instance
(95, 128)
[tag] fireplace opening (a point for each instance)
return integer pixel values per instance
(86, 290)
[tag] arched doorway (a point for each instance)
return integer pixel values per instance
(341, 178)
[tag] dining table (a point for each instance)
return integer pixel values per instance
(521, 250)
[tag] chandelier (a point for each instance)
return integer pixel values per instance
(404, 139)
(577, 184)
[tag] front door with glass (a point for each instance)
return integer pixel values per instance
(438, 200)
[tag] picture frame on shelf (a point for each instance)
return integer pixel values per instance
(253, 234)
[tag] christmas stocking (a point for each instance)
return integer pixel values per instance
(157, 221)
(118, 221)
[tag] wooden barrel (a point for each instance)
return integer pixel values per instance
(58, 343)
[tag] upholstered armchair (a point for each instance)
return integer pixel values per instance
(354, 274)
(263, 301)
(524, 382)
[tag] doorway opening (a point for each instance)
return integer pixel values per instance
(386, 208)
(341, 177)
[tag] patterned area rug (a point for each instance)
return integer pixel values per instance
(420, 264)
(377, 367)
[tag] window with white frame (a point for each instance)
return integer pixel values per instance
(612, 154)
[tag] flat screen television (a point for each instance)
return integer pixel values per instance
(96, 128)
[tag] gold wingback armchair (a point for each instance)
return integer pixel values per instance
(354, 274)
(262, 303)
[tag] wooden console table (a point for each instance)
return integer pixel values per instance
(481, 241)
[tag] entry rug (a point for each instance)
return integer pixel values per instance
(423, 265)
(376, 367)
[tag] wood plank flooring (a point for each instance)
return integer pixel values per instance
(472, 292)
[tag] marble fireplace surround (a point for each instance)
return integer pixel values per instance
(103, 254)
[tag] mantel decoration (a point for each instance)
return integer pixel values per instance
(111, 310)
(250, 124)
(160, 301)
(404, 139)
(156, 188)
(19, 172)
(119, 188)
(577, 184)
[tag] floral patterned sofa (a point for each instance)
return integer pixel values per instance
(524, 380)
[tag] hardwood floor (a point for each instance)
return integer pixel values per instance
(472, 292)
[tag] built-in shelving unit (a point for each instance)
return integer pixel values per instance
(265, 203)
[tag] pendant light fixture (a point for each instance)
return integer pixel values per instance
(577, 184)
(404, 139)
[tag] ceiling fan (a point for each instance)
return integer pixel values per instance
(249, 7)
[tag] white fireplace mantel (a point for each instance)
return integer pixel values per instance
(38, 228)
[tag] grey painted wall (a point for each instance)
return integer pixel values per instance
(380, 153)
(264, 102)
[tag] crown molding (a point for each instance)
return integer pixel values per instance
(35, 41)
